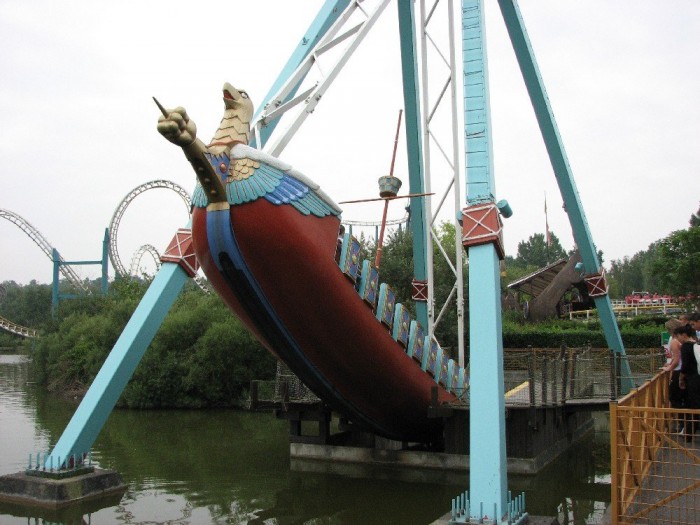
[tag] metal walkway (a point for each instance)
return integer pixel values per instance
(575, 378)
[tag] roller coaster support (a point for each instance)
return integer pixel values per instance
(56, 296)
(594, 275)
(92, 413)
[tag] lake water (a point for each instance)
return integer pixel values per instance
(232, 467)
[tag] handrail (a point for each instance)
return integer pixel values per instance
(651, 394)
(665, 308)
(652, 466)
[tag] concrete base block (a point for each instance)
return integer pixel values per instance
(37, 491)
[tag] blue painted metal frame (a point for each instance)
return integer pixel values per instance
(386, 304)
(92, 413)
(411, 98)
(487, 439)
(326, 17)
(477, 117)
(416, 341)
(562, 171)
(56, 295)
(349, 261)
(368, 284)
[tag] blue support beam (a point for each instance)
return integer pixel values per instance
(488, 475)
(477, 115)
(54, 287)
(326, 17)
(487, 440)
(56, 295)
(104, 282)
(411, 98)
(562, 171)
(92, 413)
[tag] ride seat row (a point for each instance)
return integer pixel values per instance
(407, 332)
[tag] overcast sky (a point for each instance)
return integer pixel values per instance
(78, 123)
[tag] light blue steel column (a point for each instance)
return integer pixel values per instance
(54, 287)
(92, 413)
(104, 283)
(562, 171)
(488, 483)
(326, 17)
(411, 100)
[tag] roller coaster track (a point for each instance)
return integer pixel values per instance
(389, 222)
(138, 255)
(16, 329)
(42, 243)
(124, 204)
(46, 247)
(67, 270)
(116, 219)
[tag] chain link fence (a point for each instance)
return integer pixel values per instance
(532, 377)
(285, 388)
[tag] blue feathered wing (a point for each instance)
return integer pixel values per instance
(258, 175)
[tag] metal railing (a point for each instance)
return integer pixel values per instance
(655, 458)
(624, 310)
(285, 388)
(551, 377)
(533, 377)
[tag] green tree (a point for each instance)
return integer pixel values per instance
(513, 269)
(676, 265)
(202, 356)
(396, 269)
(695, 219)
(28, 305)
(536, 252)
(634, 274)
(396, 266)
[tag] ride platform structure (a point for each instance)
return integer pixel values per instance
(270, 242)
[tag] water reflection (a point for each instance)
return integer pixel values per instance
(228, 467)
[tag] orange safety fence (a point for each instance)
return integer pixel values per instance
(655, 458)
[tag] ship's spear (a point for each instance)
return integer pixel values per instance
(160, 107)
(209, 179)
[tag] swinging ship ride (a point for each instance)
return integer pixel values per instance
(268, 239)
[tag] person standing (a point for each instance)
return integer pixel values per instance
(676, 395)
(689, 379)
(695, 323)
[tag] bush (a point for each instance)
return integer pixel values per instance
(636, 333)
(202, 356)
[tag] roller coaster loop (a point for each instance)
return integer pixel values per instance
(124, 204)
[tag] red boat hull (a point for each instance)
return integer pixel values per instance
(307, 313)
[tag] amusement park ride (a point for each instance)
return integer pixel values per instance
(267, 239)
